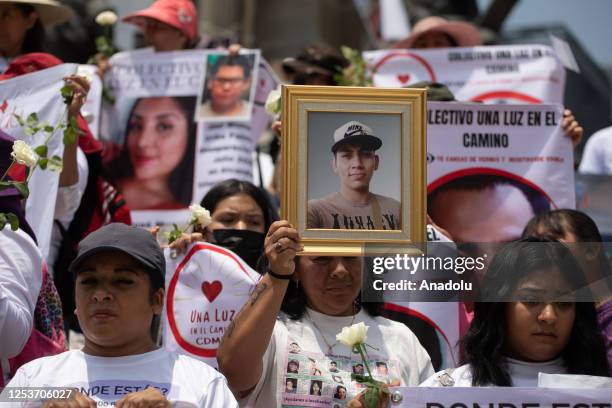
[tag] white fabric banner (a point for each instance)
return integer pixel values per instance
(205, 289)
(490, 74)
(163, 160)
(39, 93)
(93, 103)
(521, 143)
(500, 397)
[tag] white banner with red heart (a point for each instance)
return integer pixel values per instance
(514, 74)
(205, 289)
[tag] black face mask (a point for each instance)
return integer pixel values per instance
(248, 245)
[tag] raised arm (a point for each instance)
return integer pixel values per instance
(247, 337)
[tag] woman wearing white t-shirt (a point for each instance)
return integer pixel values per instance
(531, 321)
(317, 297)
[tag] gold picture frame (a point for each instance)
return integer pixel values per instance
(309, 116)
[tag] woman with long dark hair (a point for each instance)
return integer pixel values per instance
(155, 167)
(580, 233)
(529, 320)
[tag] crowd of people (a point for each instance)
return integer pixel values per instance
(545, 300)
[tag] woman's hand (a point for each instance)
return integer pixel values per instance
(180, 246)
(234, 49)
(359, 400)
(280, 246)
(571, 127)
(80, 88)
(147, 398)
(103, 64)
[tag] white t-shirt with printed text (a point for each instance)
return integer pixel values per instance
(184, 381)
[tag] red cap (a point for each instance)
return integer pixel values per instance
(180, 14)
(28, 63)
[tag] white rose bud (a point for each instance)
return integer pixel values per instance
(24, 154)
(273, 103)
(353, 335)
(199, 215)
(106, 18)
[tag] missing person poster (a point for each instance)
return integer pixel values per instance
(37, 93)
(163, 159)
(491, 168)
(205, 289)
(515, 74)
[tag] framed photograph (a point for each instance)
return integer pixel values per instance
(354, 178)
(228, 87)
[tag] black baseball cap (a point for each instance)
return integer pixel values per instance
(135, 242)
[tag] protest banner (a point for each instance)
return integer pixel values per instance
(205, 289)
(38, 93)
(525, 140)
(93, 103)
(500, 397)
(520, 74)
(163, 160)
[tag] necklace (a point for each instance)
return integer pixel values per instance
(329, 346)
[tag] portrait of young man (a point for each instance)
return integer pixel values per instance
(355, 162)
(227, 88)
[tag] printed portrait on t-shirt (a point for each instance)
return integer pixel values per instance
(354, 171)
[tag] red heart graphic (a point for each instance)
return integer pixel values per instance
(211, 289)
(4, 106)
(403, 78)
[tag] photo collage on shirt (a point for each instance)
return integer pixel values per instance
(313, 379)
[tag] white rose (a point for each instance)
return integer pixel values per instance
(199, 215)
(353, 335)
(106, 18)
(273, 103)
(24, 154)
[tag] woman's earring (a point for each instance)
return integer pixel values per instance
(297, 284)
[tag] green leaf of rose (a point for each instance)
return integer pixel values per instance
(42, 150)
(19, 119)
(22, 188)
(32, 119)
(56, 163)
(13, 220)
(42, 162)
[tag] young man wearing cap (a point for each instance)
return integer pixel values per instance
(354, 206)
(229, 80)
(119, 272)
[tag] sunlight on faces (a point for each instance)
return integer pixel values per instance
(539, 324)
(157, 137)
(433, 39)
(163, 37)
(13, 28)
(355, 166)
(226, 88)
(113, 301)
(240, 212)
(331, 284)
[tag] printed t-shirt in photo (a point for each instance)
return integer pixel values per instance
(336, 212)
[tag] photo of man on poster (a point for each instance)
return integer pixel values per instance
(227, 90)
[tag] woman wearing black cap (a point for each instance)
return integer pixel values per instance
(119, 294)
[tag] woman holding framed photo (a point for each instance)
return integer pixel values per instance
(316, 297)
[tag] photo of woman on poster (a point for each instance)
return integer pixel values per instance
(155, 167)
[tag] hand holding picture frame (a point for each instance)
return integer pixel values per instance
(354, 168)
